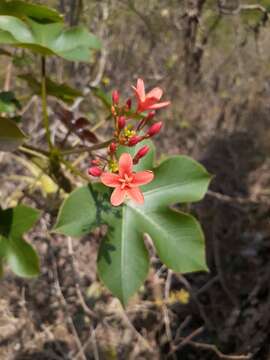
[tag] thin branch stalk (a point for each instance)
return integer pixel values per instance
(44, 102)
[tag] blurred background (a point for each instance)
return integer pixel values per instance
(212, 58)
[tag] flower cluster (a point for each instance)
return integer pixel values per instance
(130, 128)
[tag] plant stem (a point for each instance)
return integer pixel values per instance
(44, 102)
(87, 148)
(34, 151)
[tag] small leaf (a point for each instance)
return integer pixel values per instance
(60, 91)
(76, 126)
(8, 102)
(19, 254)
(22, 9)
(11, 137)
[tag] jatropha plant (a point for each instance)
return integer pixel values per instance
(134, 197)
(124, 188)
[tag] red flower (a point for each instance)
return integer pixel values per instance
(126, 183)
(149, 101)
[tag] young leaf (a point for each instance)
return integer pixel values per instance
(73, 44)
(178, 238)
(11, 137)
(19, 254)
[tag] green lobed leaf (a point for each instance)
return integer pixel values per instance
(22, 9)
(123, 261)
(178, 179)
(77, 222)
(11, 136)
(178, 238)
(19, 254)
(73, 44)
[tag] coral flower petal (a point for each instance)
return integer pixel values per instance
(125, 164)
(140, 89)
(118, 196)
(136, 93)
(155, 93)
(110, 179)
(159, 105)
(136, 195)
(148, 102)
(142, 178)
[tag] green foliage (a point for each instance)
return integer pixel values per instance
(8, 102)
(123, 260)
(11, 137)
(73, 44)
(21, 9)
(60, 91)
(20, 255)
(77, 223)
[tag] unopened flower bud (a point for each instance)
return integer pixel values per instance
(115, 97)
(112, 148)
(121, 122)
(140, 154)
(154, 129)
(150, 115)
(128, 104)
(134, 140)
(94, 171)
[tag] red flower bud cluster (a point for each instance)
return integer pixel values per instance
(131, 126)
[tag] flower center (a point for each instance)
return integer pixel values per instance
(125, 181)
